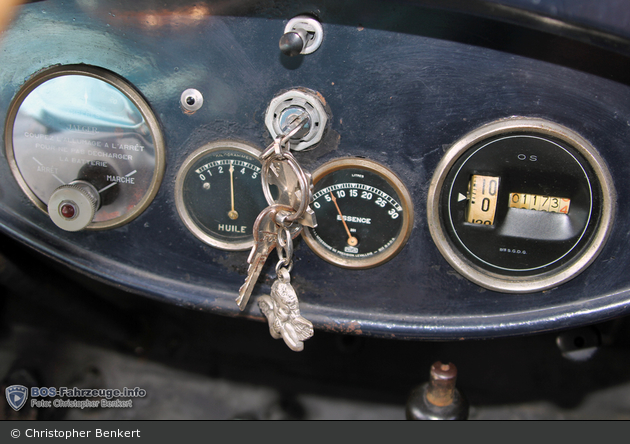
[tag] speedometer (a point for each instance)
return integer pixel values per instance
(364, 213)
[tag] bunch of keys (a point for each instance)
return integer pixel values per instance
(275, 228)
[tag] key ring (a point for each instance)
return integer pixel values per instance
(286, 245)
(302, 180)
(284, 249)
(280, 145)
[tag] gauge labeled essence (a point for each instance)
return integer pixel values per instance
(85, 147)
(364, 213)
(218, 194)
(521, 205)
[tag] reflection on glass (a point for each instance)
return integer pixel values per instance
(80, 127)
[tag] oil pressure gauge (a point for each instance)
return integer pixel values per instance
(218, 194)
(85, 147)
(521, 205)
(364, 213)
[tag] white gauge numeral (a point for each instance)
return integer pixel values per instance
(366, 195)
(354, 193)
(380, 202)
(316, 205)
(393, 213)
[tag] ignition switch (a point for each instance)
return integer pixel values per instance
(291, 104)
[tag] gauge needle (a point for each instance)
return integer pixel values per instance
(232, 214)
(352, 241)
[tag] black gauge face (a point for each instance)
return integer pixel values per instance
(544, 197)
(520, 207)
(219, 194)
(84, 123)
(364, 213)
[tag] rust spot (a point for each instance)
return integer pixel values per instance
(320, 97)
(353, 327)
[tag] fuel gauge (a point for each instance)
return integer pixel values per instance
(364, 213)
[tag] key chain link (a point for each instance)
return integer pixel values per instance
(277, 225)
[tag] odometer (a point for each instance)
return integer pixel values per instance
(521, 205)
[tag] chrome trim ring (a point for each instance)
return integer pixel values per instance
(532, 283)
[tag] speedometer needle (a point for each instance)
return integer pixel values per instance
(232, 214)
(352, 241)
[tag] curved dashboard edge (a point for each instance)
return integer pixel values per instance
(404, 327)
(607, 301)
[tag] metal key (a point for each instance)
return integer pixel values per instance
(265, 240)
(295, 187)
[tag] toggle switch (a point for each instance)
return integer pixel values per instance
(302, 35)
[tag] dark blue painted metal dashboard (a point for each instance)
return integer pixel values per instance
(403, 80)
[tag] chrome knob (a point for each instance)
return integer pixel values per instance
(72, 206)
(292, 43)
(302, 35)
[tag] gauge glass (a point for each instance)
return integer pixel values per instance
(521, 205)
(84, 123)
(364, 213)
(219, 194)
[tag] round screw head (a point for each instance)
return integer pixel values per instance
(191, 101)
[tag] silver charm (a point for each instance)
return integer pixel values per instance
(283, 313)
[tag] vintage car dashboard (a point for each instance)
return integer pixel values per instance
(478, 149)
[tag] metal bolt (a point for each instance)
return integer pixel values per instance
(191, 101)
(442, 384)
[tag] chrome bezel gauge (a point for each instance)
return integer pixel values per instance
(204, 203)
(488, 205)
(64, 126)
(367, 245)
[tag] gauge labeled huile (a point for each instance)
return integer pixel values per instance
(364, 213)
(85, 147)
(521, 205)
(218, 194)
